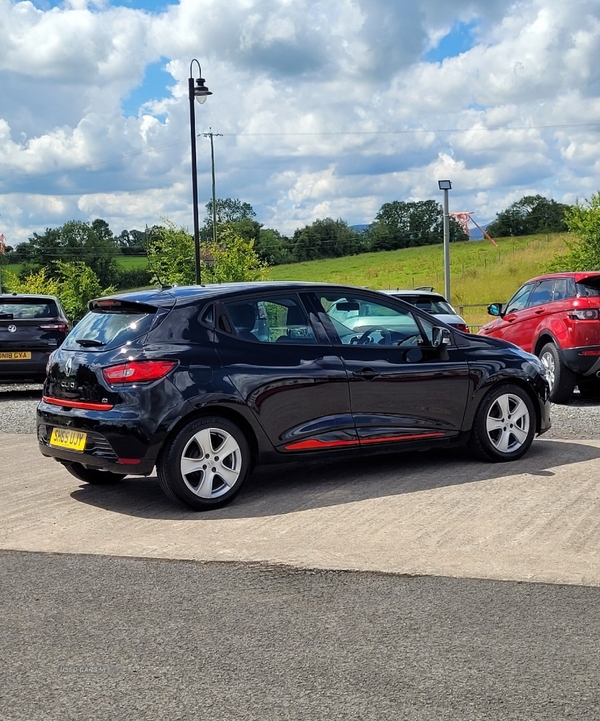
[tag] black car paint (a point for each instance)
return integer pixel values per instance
(288, 404)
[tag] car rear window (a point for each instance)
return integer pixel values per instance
(431, 304)
(588, 287)
(22, 309)
(103, 329)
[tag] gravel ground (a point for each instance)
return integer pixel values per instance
(579, 420)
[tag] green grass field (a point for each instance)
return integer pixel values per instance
(480, 273)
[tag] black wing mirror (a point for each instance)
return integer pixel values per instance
(495, 309)
(440, 337)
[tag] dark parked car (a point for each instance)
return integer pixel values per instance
(31, 327)
(557, 317)
(181, 379)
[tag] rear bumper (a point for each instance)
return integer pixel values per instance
(578, 360)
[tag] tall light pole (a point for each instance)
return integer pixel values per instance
(212, 135)
(197, 90)
(446, 185)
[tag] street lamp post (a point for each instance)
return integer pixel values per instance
(446, 185)
(211, 135)
(197, 90)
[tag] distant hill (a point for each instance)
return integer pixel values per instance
(360, 227)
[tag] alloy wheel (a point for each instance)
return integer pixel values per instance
(547, 360)
(507, 423)
(211, 463)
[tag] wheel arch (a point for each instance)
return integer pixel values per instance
(545, 337)
(522, 383)
(225, 412)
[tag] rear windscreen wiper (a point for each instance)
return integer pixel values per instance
(89, 342)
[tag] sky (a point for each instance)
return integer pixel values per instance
(323, 108)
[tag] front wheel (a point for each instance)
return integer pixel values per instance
(205, 465)
(504, 424)
(560, 378)
(93, 475)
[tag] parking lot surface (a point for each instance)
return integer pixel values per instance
(428, 514)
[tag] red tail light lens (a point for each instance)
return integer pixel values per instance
(62, 327)
(144, 371)
(461, 326)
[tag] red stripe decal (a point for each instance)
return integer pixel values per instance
(129, 461)
(313, 443)
(77, 404)
(401, 438)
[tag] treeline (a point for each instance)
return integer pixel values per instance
(398, 224)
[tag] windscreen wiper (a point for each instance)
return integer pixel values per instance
(88, 342)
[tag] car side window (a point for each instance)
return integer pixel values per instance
(542, 293)
(280, 319)
(561, 289)
(519, 299)
(361, 321)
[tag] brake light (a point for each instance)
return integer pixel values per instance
(138, 371)
(584, 314)
(62, 327)
(462, 327)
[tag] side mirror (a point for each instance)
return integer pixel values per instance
(495, 309)
(440, 337)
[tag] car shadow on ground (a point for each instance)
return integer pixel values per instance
(289, 488)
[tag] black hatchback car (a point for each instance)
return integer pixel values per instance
(31, 327)
(204, 383)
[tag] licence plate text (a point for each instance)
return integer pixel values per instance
(66, 438)
(15, 355)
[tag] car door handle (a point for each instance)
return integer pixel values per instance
(540, 311)
(366, 373)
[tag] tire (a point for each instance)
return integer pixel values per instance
(205, 464)
(561, 379)
(504, 424)
(93, 475)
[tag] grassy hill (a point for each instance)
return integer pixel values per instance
(480, 273)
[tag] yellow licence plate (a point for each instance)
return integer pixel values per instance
(15, 355)
(65, 438)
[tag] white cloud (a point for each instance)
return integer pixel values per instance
(325, 108)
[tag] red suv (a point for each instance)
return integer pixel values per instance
(557, 317)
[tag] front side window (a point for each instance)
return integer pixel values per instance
(519, 299)
(361, 321)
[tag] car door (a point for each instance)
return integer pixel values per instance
(286, 370)
(512, 325)
(402, 389)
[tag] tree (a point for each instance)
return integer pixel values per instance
(92, 243)
(531, 215)
(325, 238)
(401, 224)
(583, 221)
(229, 210)
(75, 284)
(232, 258)
(272, 247)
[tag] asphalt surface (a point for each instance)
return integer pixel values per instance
(395, 587)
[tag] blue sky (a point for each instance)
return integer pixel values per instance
(325, 109)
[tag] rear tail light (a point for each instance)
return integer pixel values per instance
(144, 371)
(584, 314)
(62, 327)
(462, 327)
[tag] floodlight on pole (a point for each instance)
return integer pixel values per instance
(445, 186)
(196, 90)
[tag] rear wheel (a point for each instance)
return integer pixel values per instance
(561, 379)
(93, 475)
(504, 424)
(205, 465)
